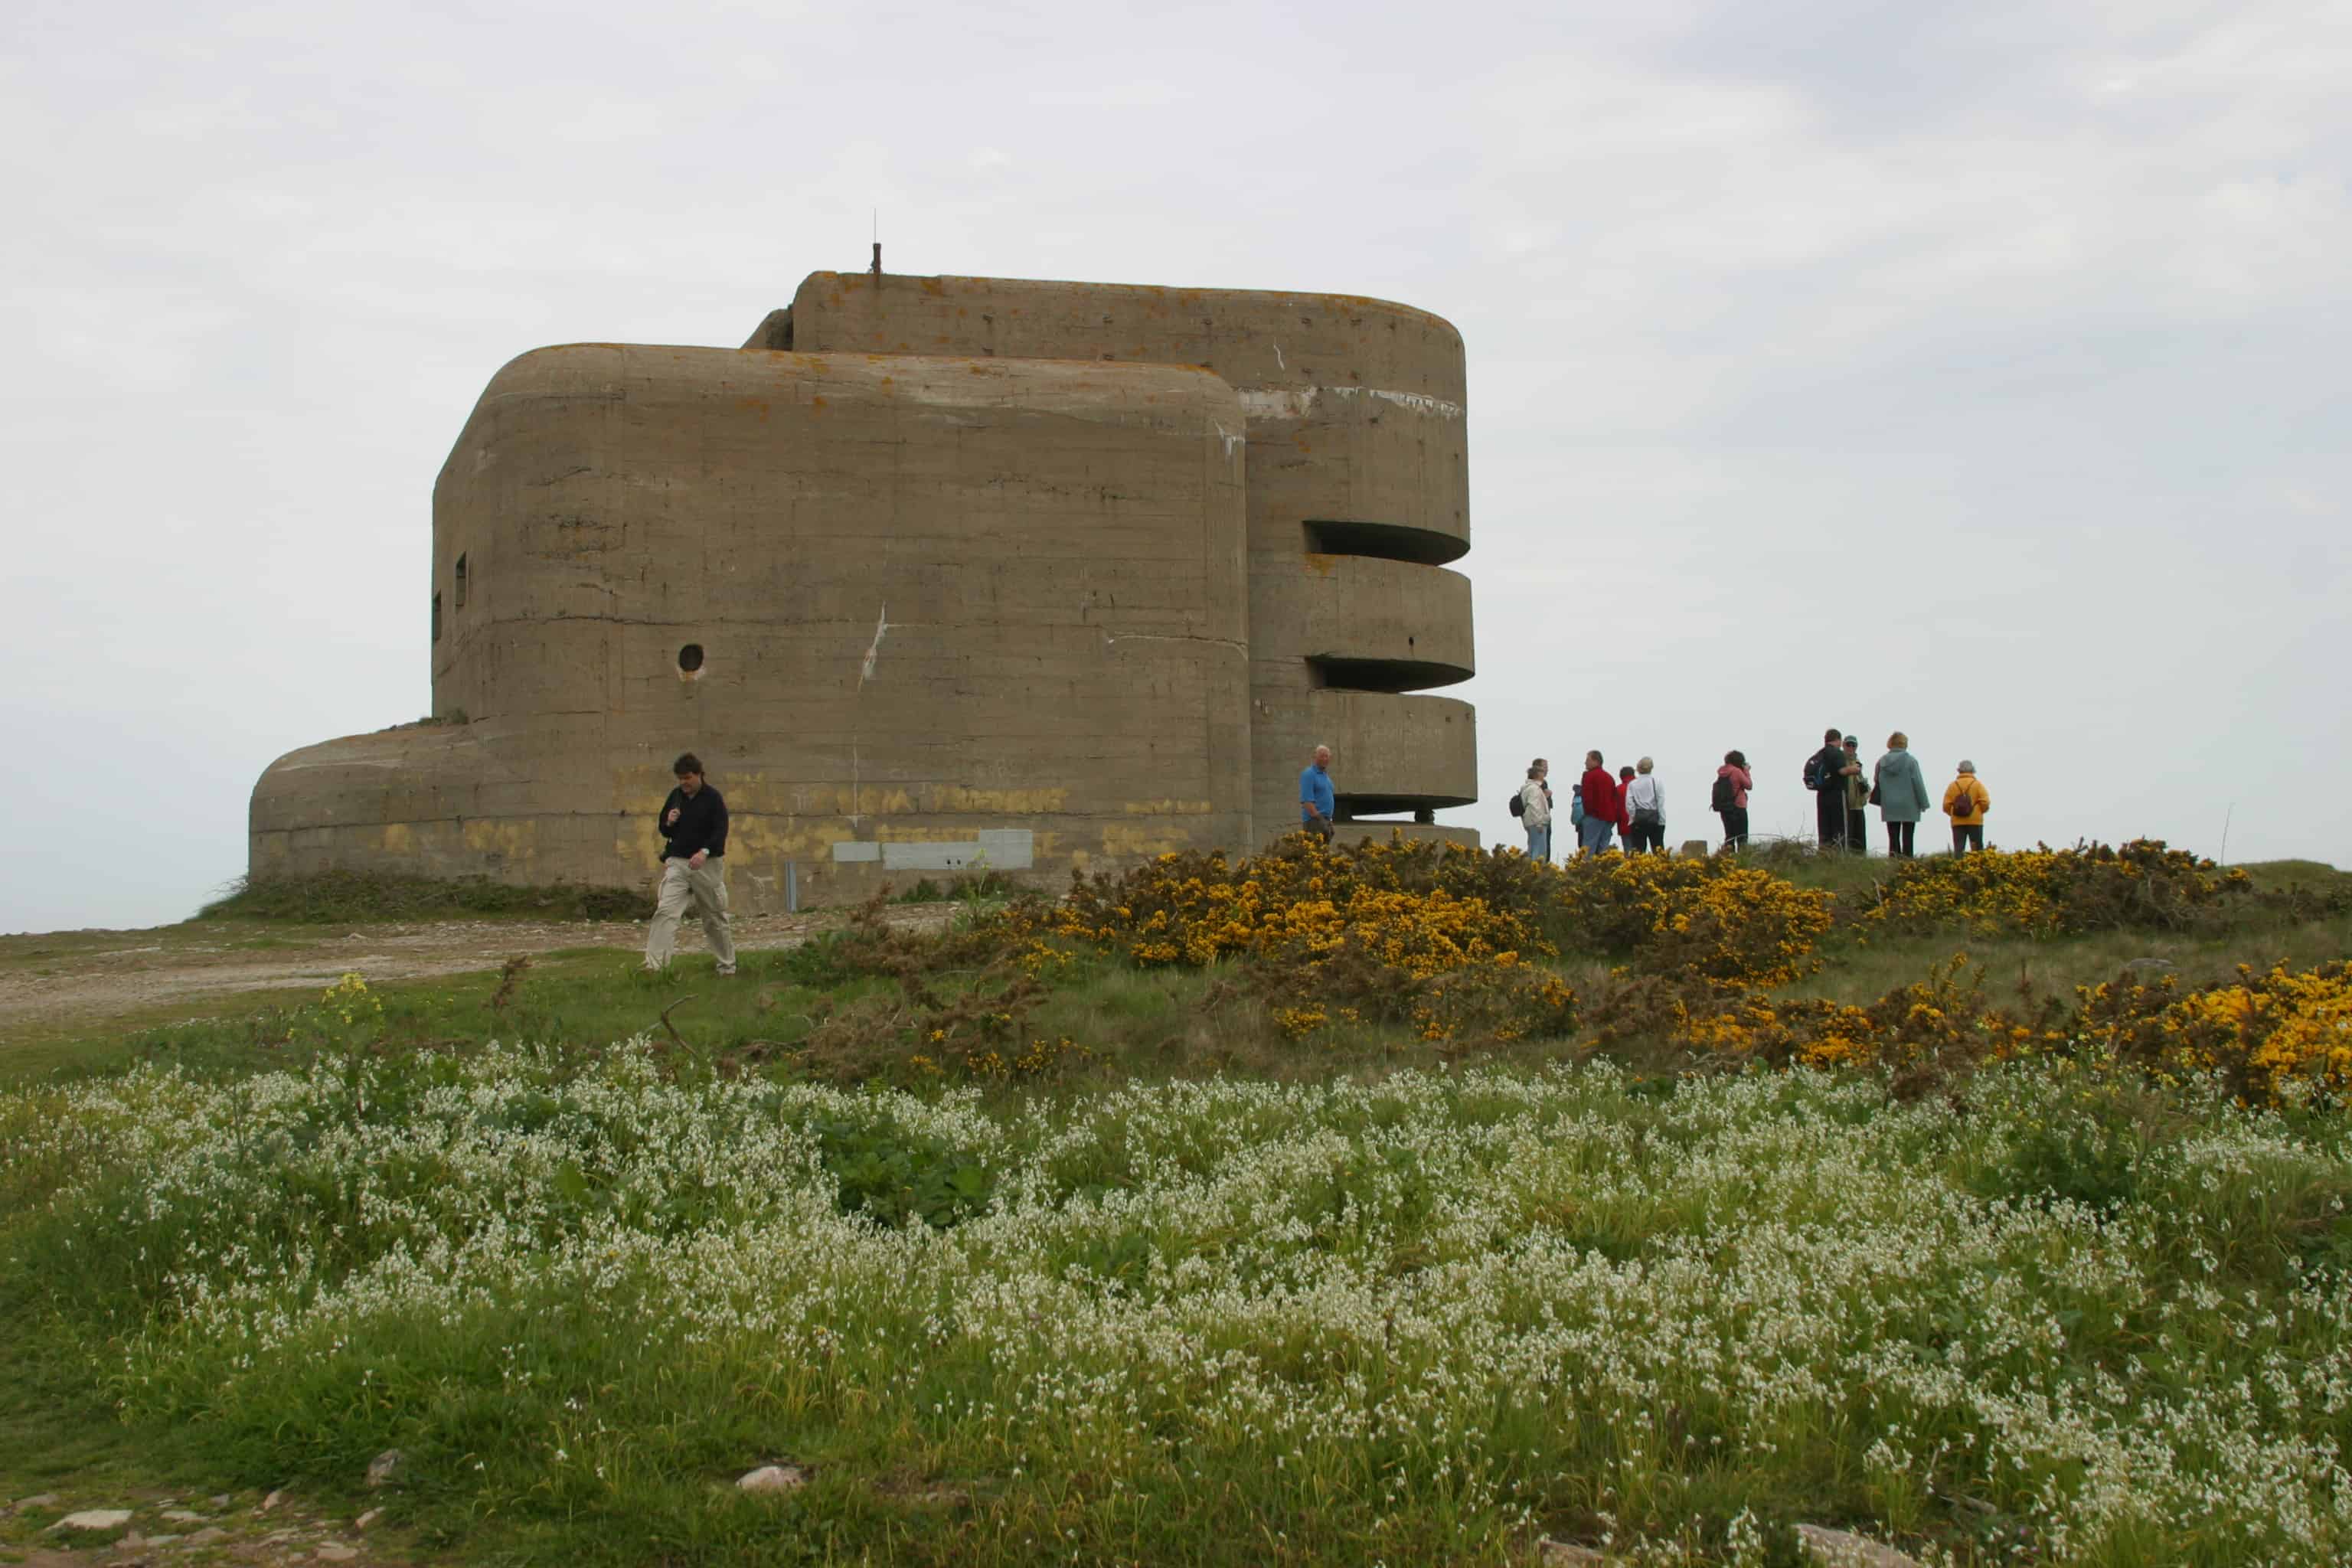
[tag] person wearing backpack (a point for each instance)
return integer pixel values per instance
(1729, 801)
(1825, 775)
(1645, 800)
(1901, 791)
(1532, 807)
(1966, 801)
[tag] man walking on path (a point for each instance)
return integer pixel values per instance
(1857, 799)
(693, 825)
(1603, 805)
(1825, 775)
(1535, 809)
(1316, 799)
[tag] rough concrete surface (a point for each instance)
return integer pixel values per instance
(934, 574)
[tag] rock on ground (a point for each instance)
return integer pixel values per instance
(773, 1478)
(1843, 1549)
(1567, 1554)
(95, 1519)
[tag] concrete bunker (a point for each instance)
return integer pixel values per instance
(937, 574)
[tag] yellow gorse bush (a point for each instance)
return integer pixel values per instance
(2140, 886)
(2276, 1035)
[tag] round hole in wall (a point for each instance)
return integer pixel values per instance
(690, 657)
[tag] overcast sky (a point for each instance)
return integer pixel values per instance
(1979, 370)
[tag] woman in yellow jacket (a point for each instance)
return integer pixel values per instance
(1966, 801)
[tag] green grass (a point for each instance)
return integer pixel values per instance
(348, 898)
(1205, 1296)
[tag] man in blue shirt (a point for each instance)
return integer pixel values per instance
(1315, 798)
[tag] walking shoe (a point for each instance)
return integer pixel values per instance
(725, 970)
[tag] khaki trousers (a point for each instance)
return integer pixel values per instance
(706, 890)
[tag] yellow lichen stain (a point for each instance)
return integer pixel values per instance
(397, 838)
(1170, 807)
(1321, 565)
(516, 841)
(996, 801)
(1118, 838)
(816, 400)
(931, 286)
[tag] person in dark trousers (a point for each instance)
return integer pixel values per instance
(1966, 801)
(1645, 807)
(1317, 798)
(1857, 799)
(693, 824)
(1902, 791)
(1735, 773)
(1604, 807)
(1825, 776)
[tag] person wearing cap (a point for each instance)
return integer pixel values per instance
(1857, 799)
(1966, 801)
(1825, 775)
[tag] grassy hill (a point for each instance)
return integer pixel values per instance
(1393, 1207)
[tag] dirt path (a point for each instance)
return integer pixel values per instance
(76, 976)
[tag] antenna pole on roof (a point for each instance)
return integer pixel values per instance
(878, 247)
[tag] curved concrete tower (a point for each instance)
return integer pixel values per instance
(934, 574)
(1359, 493)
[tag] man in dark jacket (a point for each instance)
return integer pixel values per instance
(693, 824)
(1825, 774)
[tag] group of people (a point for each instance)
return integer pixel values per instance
(1896, 786)
(1601, 806)
(1632, 804)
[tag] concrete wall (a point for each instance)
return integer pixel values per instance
(941, 604)
(1358, 485)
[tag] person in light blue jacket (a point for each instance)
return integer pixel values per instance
(1901, 791)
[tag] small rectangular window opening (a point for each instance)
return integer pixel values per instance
(461, 582)
(436, 617)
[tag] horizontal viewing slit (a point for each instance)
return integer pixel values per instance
(1351, 806)
(1386, 540)
(1383, 674)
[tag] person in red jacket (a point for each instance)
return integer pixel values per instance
(1604, 804)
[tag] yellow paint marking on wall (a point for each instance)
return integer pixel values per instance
(397, 838)
(1170, 807)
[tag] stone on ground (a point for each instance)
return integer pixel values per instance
(384, 1466)
(1696, 849)
(95, 1519)
(336, 1552)
(1843, 1549)
(370, 1517)
(1567, 1554)
(207, 1536)
(773, 1478)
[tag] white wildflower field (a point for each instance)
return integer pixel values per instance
(1440, 1317)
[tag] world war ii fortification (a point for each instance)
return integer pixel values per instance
(933, 573)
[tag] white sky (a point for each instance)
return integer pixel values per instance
(1979, 371)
